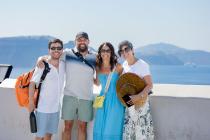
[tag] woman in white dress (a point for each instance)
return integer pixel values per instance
(138, 123)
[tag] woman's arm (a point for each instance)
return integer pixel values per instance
(149, 85)
(96, 81)
(119, 68)
(146, 90)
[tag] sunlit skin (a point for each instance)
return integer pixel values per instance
(127, 55)
(55, 54)
(105, 55)
(55, 51)
(106, 63)
(54, 60)
(131, 59)
(82, 45)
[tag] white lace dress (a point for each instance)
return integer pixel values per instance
(138, 124)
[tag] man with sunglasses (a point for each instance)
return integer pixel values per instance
(47, 112)
(78, 90)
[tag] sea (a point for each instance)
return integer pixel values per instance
(164, 74)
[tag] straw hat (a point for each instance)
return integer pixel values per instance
(130, 84)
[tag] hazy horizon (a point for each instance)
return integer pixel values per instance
(184, 23)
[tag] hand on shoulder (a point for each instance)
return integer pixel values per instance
(119, 68)
(40, 60)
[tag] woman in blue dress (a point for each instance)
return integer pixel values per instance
(108, 124)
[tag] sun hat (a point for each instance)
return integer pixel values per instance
(130, 84)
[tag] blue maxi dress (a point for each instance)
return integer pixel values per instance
(109, 119)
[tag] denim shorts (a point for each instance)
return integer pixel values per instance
(77, 109)
(47, 123)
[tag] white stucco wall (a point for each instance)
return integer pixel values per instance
(180, 112)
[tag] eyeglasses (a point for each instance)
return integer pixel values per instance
(127, 49)
(56, 48)
(105, 51)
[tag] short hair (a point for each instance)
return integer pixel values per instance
(55, 41)
(124, 43)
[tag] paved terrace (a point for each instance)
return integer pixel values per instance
(180, 112)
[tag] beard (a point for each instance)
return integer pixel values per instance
(82, 48)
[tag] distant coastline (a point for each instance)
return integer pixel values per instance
(164, 74)
(169, 63)
(22, 51)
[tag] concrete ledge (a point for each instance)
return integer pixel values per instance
(180, 112)
(8, 83)
(174, 90)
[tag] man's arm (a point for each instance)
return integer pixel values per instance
(40, 60)
(35, 79)
(31, 96)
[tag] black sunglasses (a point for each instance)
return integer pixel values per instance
(56, 48)
(105, 51)
(127, 49)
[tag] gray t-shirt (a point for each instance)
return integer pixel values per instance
(78, 75)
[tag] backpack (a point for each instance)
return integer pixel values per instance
(22, 87)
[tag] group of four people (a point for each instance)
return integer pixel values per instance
(72, 73)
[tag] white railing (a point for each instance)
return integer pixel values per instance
(180, 112)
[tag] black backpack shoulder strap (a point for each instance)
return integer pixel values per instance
(44, 74)
(76, 53)
(46, 70)
(82, 59)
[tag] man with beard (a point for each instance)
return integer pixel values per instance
(78, 90)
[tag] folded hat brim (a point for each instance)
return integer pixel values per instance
(129, 84)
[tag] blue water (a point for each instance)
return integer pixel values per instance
(18, 71)
(190, 75)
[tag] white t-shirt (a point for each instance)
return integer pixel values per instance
(141, 68)
(51, 90)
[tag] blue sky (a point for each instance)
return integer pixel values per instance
(185, 23)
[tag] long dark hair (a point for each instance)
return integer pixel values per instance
(113, 57)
